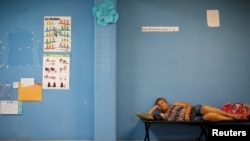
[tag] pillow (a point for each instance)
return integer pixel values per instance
(145, 116)
(158, 117)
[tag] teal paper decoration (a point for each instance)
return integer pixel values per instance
(105, 13)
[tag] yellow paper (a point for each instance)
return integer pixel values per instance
(30, 93)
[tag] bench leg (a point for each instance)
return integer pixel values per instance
(147, 126)
(203, 132)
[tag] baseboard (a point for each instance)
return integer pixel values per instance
(93, 140)
(167, 140)
(44, 140)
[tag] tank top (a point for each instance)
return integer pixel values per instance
(176, 113)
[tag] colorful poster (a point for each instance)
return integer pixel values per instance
(57, 34)
(56, 71)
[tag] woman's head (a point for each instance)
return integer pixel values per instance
(162, 104)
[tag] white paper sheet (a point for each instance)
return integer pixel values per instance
(27, 82)
(213, 18)
(10, 107)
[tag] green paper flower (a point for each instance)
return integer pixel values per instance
(105, 13)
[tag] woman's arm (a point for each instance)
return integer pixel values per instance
(152, 110)
(188, 108)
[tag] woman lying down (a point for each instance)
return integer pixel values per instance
(185, 111)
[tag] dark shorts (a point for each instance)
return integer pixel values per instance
(196, 113)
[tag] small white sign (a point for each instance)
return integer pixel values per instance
(10, 107)
(213, 18)
(27, 82)
(160, 28)
(15, 84)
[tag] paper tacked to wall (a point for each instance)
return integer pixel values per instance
(30, 93)
(213, 18)
(10, 107)
(159, 28)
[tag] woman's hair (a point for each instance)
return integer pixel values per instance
(160, 98)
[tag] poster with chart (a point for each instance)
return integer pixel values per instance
(57, 34)
(10, 107)
(56, 70)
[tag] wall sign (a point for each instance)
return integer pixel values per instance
(57, 34)
(56, 71)
(213, 18)
(159, 28)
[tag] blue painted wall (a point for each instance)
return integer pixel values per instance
(198, 64)
(105, 81)
(63, 114)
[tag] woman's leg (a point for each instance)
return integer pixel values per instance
(205, 109)
(216, 117)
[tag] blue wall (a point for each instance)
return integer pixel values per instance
(63, 114)
(198, 64)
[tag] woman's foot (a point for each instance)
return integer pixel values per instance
(240, 117)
